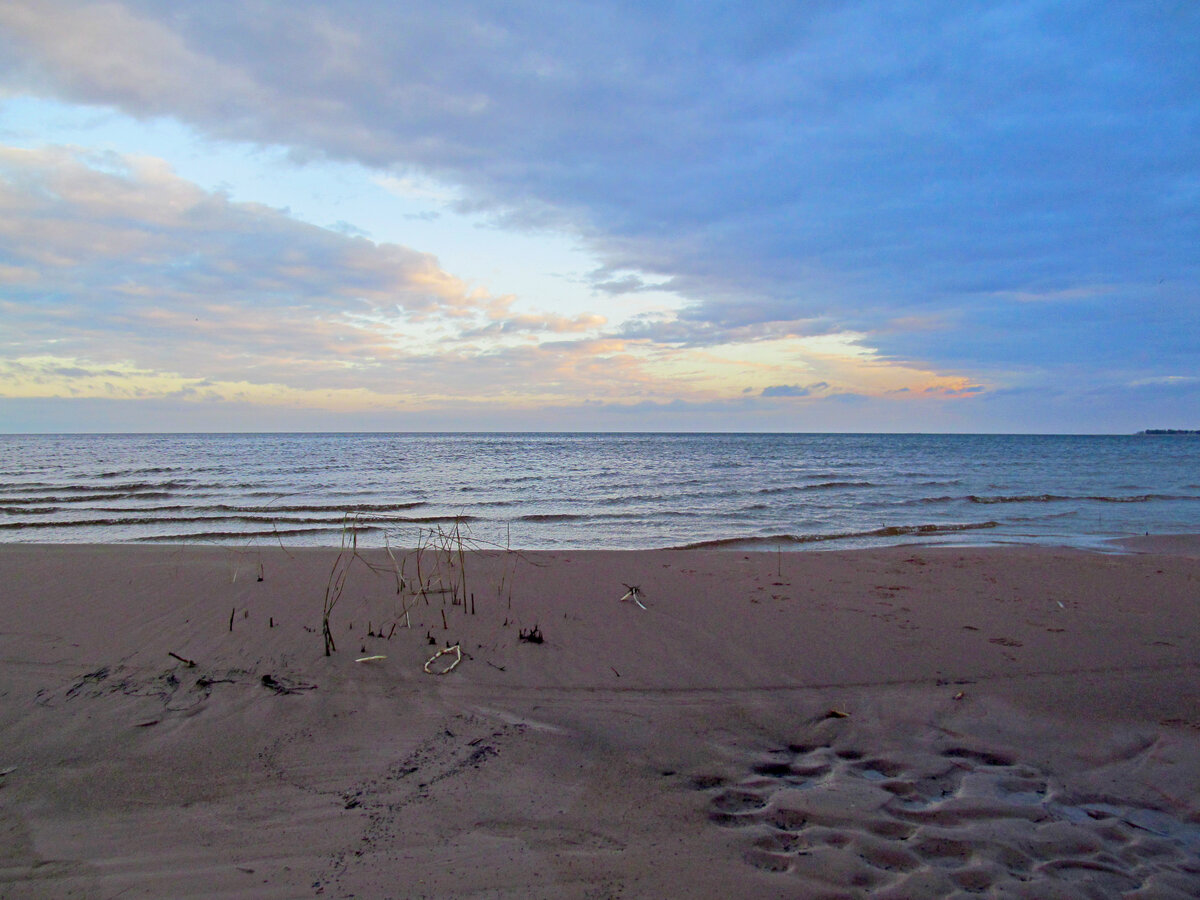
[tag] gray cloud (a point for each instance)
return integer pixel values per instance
(628, 284)
(793, 390)
(693, 331)
(785, 390)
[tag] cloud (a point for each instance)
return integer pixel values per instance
(996, 190)
(1167, 381)
(629, 284)
(689, 331)
(793, 390)
(149, 286)
(136, 263)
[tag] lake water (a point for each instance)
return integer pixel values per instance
(542, 491)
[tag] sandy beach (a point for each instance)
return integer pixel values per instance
(905, 722)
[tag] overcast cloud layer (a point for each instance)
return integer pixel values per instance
(995, 205)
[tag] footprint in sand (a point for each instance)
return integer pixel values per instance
(931, 824)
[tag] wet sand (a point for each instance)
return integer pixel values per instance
(907, 722)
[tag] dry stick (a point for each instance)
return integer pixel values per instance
(445, 627)
(462, 564)
(333, 588)
(278, 536)
(420, 579)
(399, 578)
(191, 663)
(232, 613)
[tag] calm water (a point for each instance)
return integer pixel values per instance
(598, 490)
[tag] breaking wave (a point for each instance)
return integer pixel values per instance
(885, 532)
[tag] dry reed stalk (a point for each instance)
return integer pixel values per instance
(440, 559)
(337, 580)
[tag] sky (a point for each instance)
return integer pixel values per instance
(471, 216)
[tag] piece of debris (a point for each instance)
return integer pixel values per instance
(837, 714)
(371, 658)
(634, 593)
(207, 681)
(285, 685)
(455, 649)
(190, 663)
(960, 695)
(531, 635)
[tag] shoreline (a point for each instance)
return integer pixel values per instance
(904, 721)
(1169, 543)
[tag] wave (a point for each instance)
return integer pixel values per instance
(631, 516)
(332, 507)
(125, 473)
(887, 531)
(820, 486)
(338, 509)
(90, 496)
(131, 487)
(29, 510)
(337, 522)
(630, 498)
(1060, 498)
(207, 536)
(148, 520)
(519, 479)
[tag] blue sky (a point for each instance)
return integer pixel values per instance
(808, 216)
